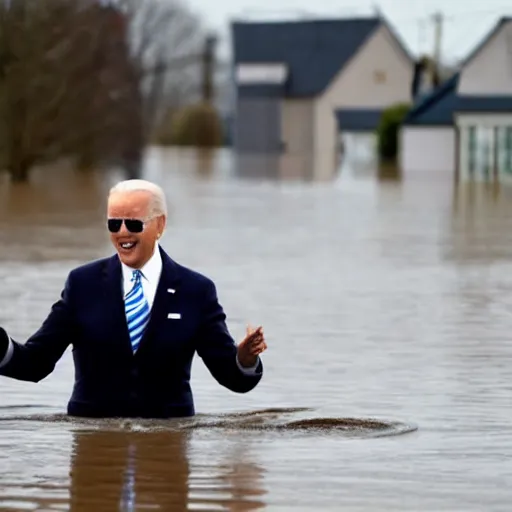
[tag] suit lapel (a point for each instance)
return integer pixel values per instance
(113, 288)
(169, 280)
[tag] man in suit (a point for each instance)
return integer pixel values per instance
(135, 321)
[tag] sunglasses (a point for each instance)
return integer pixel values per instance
(132, 225)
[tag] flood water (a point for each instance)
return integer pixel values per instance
(382, 299)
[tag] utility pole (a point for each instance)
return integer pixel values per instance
(208, 68)
(377, 11)
(421, 35)
(438, 19)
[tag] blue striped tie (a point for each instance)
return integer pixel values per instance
(137, 311)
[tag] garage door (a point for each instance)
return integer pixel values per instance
(258, 125)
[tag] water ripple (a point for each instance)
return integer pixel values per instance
(269, 420)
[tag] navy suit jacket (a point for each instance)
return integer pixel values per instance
(112, 381)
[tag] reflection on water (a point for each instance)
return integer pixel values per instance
(389, 172)
(149, 470)
(51, 217)
(481, 223)
(115, 470)
(285, 167)
(383, 296)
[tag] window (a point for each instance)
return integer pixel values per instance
(508, 149)
(472, 149)
(379, 76)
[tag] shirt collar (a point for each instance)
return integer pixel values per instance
(150, 271)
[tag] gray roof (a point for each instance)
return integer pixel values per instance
(358, 119)
(484, 104)
(266, 91)
(436, 108)
(314, 50)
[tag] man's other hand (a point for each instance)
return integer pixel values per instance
(251, 347)
(4, 343)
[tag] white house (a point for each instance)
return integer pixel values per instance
(465, 126)
(299, 84)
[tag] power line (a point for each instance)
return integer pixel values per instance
(473, 31)
(442, 22)
(438, 20)
(456, 16)
(374, 9)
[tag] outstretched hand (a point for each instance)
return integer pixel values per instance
(251, 346)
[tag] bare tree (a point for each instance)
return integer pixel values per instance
(65, 66)
(89, 79)
(167, 39)
(26, 85)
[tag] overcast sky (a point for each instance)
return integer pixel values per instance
(466, 21)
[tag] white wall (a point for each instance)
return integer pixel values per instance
(297, 125)
(490, 71)
(377, 76)
(427, 149)
(298, 136)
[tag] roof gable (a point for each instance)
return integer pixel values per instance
(314, 51)
(482, 44)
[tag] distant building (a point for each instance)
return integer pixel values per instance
(300, 84)
(465, 126)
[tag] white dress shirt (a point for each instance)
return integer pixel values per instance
(151, 272)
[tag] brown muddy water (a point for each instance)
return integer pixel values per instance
(386, 305)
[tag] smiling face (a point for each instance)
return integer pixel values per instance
(135, 249)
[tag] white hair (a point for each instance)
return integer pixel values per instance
(158, 204)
